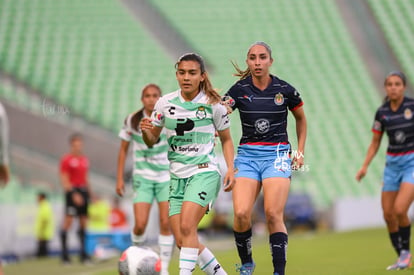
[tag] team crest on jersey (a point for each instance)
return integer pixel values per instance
(279, 99)
(408, 114)
(262, 125)
(201, 113)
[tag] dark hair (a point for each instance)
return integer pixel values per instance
(245, 73)
(399, 74)
(395, 73)
(42, 195)
(75, 136)
(151, 85)
(206, 86)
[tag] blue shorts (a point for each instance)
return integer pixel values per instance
(398, 169)
(254, 164)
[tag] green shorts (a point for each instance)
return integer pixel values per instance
(146, 190)
(201, 188)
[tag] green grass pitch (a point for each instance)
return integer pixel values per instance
(358, 252)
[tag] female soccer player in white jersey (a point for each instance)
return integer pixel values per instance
(151, 178)
(395, 117)
(263, 159)
(191, 116)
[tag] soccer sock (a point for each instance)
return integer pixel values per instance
(188, 260)
(63, 241)
(137, 239)
(405, 237)
(244, 245)
(209, 264)
(278, 246)
(81, 235)
(166, 243)
(396, 241)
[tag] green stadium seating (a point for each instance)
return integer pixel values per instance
(396, 21)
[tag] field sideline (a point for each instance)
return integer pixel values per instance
(358, 252)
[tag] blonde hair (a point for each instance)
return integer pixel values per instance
(206, 86)
(242, 74)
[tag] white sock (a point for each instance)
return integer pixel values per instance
(166, 243)
(209, 264)
(137, 239)
(188, 260)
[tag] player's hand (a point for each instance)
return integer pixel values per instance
(298, 162)
(227, 102)
(77, 199)
(146, 124)
(229, 180)
(120, 188)
(361, 173)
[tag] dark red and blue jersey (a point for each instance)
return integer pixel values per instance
(263, 114)
(398, 125)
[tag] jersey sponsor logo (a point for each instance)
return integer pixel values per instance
(201, 113)
(203, 165)
(171, 110)
(399, 137)
(228, 100)
(202, 195)
(176, 148)
(408, 114)
(262, 125)
(184, 124)
(279, 99)
(248, 97)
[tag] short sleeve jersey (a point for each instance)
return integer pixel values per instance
(263, 114)
(398, 125)
(76, 167)
(190, 128)
(149, 163)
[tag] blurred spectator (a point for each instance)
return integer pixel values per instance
(44, 225)
(98, 212)
(118, 217)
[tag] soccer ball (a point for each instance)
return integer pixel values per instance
(139, 261)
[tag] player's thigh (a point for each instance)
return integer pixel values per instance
(404, 198)
(388, 202)
(193, 212)
(163, 217)
(244, 193)
(275, 195)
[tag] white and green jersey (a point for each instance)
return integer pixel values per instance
(190, 128)
(149, 163)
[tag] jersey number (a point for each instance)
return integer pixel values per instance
(184, 124)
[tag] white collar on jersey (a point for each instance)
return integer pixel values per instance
(195, 100)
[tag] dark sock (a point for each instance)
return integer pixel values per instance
(244, 245)
(396, 241)
(63, 238)
(81, 235)
(405, 237)
(278, 246)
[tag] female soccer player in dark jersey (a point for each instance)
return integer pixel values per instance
(263, 158)
(395, 117)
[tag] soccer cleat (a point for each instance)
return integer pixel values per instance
(405, 259)
(393, 266)
(246, 269)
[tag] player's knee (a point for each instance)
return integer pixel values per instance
(389, 216)
(400, 212)
(273, 217)
(242, 215)
(186, 229)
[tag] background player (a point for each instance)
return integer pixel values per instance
(74, 168)
(4, 147)
(191, 117)
(151, 177)
(263, 157)
(395, 117)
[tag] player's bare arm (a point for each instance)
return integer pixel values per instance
(150, 133)
(123, 150)
(301, 129)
